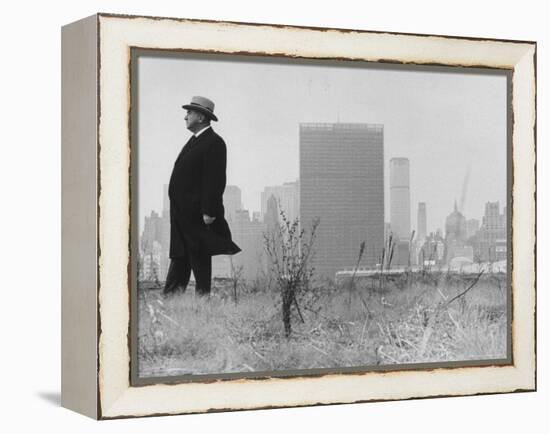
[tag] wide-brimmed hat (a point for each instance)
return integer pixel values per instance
(203, 105)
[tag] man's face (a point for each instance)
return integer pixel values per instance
(193, 119)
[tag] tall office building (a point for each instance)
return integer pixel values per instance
(165, 233)
(421, 221)
(472, 226)
(342, 184)
(155, 241)
(165, 200)
(417, 244)
(493, 219)
(455, 235)
(491, 243)
(271, 216)
(248, 234)
(400, 198)
(287, 196)
(232, 201)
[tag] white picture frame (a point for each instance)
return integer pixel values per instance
(96, 260)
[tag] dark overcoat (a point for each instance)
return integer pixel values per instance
(196, 188)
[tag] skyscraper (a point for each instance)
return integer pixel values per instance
(154, 245)
(472, 226)
(455, 234)
(165, 233)
(421, 221)
(492, 220)
(271, 217)
(400, 199)
(155, 239)
(232, 201)
(248, 234)
(491, 243)
(165, 200)
(342, 184)
(287, 196)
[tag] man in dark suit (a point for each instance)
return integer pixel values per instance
(198, 229)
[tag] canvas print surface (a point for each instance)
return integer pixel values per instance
(306, 216)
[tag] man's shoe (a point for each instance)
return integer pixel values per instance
(171, 292)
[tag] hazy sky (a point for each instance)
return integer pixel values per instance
(446, 123)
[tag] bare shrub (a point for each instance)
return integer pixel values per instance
(236, 279)
(290, 250)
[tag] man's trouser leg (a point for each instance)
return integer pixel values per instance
(202, 270)
(178, 275)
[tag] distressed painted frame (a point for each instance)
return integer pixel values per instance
(96, 237)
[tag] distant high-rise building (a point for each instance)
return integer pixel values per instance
(491, 239)
(400, 200)
(432, 251)
(402, 254)
(421, 221)
(154, 245)
(472, 226)
(492, 218)
(150, 263)
(165, 234)
(151, 232)
(248, 235)
(455, 226)
(287, 196)
(232, 201)
(154, 241)
(455, 234)
(165, 200)
(342, 184)
(271, 217)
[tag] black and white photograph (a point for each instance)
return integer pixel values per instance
(275, 217)
(308, 216)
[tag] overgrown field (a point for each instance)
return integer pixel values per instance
(347, 325)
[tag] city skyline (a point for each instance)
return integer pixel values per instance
(463, 242)
(432, 225)
(448, 124)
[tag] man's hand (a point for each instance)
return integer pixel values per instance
(207, 219)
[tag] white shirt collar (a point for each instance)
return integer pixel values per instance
(198, 133)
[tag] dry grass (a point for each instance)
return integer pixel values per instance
(407, 322)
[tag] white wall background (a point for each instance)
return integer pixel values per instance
(30, 218)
